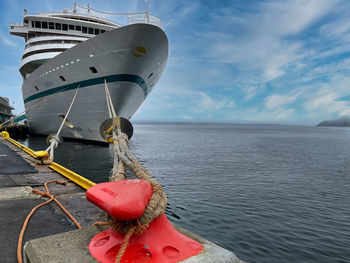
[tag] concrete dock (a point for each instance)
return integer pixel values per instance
(51, 236)
(18, 176)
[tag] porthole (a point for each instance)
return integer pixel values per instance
(93, 69)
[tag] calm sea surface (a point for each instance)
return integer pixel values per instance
(268, 193)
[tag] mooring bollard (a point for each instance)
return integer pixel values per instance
(127, 200)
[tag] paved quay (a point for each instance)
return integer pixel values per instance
(51, 237)
(18, 176)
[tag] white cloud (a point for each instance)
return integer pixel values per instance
(250, 92)
(7, 41)
(328, 103)
(276, 101)
(264, 44)
(208, 104)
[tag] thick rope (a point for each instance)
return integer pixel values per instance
(124, 244)
(55, 140)
(52, 198)
(124, 158)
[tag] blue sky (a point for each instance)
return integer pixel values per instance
(242, 61)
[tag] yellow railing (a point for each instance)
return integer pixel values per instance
(76, 178)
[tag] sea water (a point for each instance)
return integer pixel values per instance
(268, 193)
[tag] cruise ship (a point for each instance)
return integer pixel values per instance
(78, 48)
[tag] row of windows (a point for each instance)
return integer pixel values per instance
(66, 27)
(92, 69)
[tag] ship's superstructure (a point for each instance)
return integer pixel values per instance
(70, 49)
(5, 109)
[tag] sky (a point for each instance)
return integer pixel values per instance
(276, 61)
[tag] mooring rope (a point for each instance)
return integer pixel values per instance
(29, 108)
(124, 158)
(54, 140)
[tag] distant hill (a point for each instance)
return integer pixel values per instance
(342, 122)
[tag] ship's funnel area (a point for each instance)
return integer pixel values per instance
(106, 128)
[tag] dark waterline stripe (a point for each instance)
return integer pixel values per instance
(90, 82)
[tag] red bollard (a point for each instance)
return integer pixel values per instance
(126, 200)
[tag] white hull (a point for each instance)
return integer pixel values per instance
(130, 75)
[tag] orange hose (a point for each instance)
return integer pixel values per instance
(52, 198)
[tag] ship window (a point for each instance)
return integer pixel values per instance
(44, 24)
(102, 31)
(37, 24)
(91, 30)
(97, 31)
(58, 26)
(78, 28)
(71, 27)
(84, 29)
(62, 78)
(36, 88)
(65, 27)
(51, 25)
(32, 23)
(93, 69)
(150, 75)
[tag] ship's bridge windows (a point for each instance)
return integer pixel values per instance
(66, 27)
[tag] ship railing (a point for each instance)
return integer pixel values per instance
(145, 18)
(13, 25)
